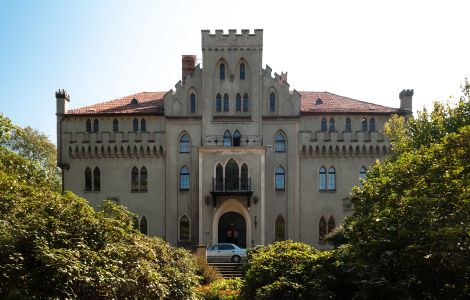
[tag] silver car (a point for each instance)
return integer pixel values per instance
(224, 252)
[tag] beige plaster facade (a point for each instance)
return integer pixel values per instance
(242, 200)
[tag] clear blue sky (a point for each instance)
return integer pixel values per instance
(100, 50)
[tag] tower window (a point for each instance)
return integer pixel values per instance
(143, 179)
(222, 71)
(184, 144)
(279, 178)
(280, 229)
(184, 178)
(143, 225)
(225, 102)
(184, 228)
(272, 102)
(280, 143)
(238, 103)
(242, 71)
(322, 229)
(218, 103)
(245, 102)
(192, 100)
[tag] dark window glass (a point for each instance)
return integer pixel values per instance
(331, 224)
(96, 180)
(322, 179)
(134, 179)
(135, 125)
(280, 229)
(227, 139)
(322, 230)
(372, 125)
(244, 177)
(193, 103)
(184, 178)
(184, 144)
(143, 125)
(236, 138)
(272, 102)
(364, 124)
(115, 125)
(245, 103)
(88, 125)
(331, 179)
(143, 179)
(225, 102)
(323, 124)
(332, 124)
(242, 71)
(348, 124)
(279, 178)
(222, 71)
(218, 103)
(231, 175)
(184, 228)
(96, 125)
(238, 103)
(88, 179)
(143, 225)
(280, 145)
(219, 178)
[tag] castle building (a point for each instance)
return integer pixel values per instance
(232, 154)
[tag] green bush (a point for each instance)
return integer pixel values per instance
(207, 273)
(221, 289)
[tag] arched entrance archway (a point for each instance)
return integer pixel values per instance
(231, 205)
(232, 229)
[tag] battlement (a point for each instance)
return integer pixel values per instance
(232, 39)
(62, 94)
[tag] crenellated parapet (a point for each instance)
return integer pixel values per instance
(242, 39)
(288, 102)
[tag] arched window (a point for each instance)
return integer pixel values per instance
(280, 143)
(143, 225)
(348, 124)
(372, 124)
(88, 125)
(135, 223)
(331, 224)
(364, 124)
(279, 178)
(244, 181)
(96, 180)
(184, 178)
(184, 228)
(231, 176)
(238, 103)
(88, 179)
(272, 102)
(332, 124)
(192, 100)
(115, 125)
(143, 125)
(96, 125)
(331, 179)
(143, 179)
(135, 125)
(279, 229)
(218, 103)
(245, 102)
(237, 138)
(323, 124)
(184, 143)
(322, 229)
(322, 179)
(222, 71)
(227, 139)
(225, 102)
(134, 179)
(242, 71)
(219, 178)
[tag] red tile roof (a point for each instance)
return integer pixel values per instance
(147, 103)
(152, 103)
(332, 103)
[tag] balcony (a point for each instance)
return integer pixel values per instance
(231, 187)
(241, 141)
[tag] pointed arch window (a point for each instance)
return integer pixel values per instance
(331, 179)
(227, 139)
(88, 125)
(272, 102)
(280, 143)
(242, 71)
(143, 225)
(134, 179)
(192, 100)
(332, 124)
(323, 124)
(219, 177)
(184, 144)
(331, 224)
(244, 184)
(348, 124)
(143, 125)
(362, 174)
(364, 124)
(218, 103)
(372, 125)
(96, 180)
(96, 125)
(135, 125)
(246, 102)
(322, 179)
(237, 138)
(184, 178)
(184, 228)
(279, 178)
(322, 229)
(222, 71)
(115, 125)
(226, 104)
(143, 179)
(88, 180)
(238, 103)
(280, 229)
(231, 175)
(135, 223)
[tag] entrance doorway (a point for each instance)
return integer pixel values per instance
(232, 229)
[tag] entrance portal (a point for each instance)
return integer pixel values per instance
(232, 229)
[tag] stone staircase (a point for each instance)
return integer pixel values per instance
(228, 270)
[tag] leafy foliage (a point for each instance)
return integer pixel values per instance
(207, 273)
(221, 289)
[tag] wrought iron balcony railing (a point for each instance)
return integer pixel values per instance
(231, 185)
(221, 141)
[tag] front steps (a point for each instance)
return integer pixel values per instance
(228, 270)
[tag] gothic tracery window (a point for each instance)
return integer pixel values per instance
(280, 229)
(184, 228)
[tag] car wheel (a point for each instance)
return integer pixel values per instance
(236, 259)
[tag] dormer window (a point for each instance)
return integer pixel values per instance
(319, 101)
(134, 101)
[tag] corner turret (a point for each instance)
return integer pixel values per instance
(62, 101)
(406, 101)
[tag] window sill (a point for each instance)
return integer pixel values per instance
(139, 191)
(327, 191)
(184, 190)
(280, 190)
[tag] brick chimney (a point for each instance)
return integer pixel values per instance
(188, 63)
